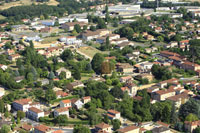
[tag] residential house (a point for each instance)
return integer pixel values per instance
(90, 35)
(163, 84)
(3, 67)
(21, 104)
(86, 99)
(61, 111)
(190, 66)
(148, 76)
(62, 69)
(161, 95)
(10, 52)
(145, 67)
(65, 103)
(35, 113)
(14, 57)
(77, 103)
(179, 99)
(132, 88)
(103, 127)
(167, 54)
(42, 129)
(124, 44)
(103, 38)
(119, 41)
(27, 127)
(125, 68)
(113, 114)
(74, 85)
(129, 129)
(136, 52)
(190, 126)
(61, 94)
(70, 25)
(149, 37)
(158, 29)
(126, 79)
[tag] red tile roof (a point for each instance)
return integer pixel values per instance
(23, 101)
(66, 101)
(102, 125)
(63, 109)
(42, 128)
(113, 111)
(33, 109)
(27, 127)
(127, 129)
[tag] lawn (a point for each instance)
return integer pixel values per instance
(2, 17)
(50, 39)
(90, 51)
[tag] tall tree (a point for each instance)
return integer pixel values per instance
(96, 62)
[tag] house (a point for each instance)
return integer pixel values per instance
(61, 111)
(10, 52)
(167, 54)
(58, 131)
(190, 126)
(70, 25)
(62, 69)
(90, 35)
(21, 104)
(161, 95)
(190, 66)
(126, 79)
(149, 37)
(148, 76)
(163, 84)
(86, 99)
(118, 41)
(129, 129)
(48, 22)
(179, 99)
(61, 94)
(77, 103)
(42, 129)
(124, 44)
(158, 29)
(74, 85)
(35, 113)
(46, 29)
(132, 88)
(103, 127)
(111, 37)
(161, 129)
(136, 52)
(113, 114)
(65, 103)
(27, 127)
(125, 68)
(3, 67)
(184, 42)
(145, 67)
(14, 57)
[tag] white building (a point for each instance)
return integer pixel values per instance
(34, 113)
(113, 114)
(65, 103)
(61, 111)
(22, 104)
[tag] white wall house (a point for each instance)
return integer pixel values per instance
(21, 104)
(61, 111)
(34, 113)
(65, 103)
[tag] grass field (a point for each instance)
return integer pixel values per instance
(50, 39)
(90, 51)
(25, 2)
(2, 17)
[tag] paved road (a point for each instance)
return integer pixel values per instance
(65, 130)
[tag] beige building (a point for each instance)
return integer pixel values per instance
(190, 126)
(161, 95)
(103, 127)
(129, 129)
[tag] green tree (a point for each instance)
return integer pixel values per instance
(196, 130)
(116, 124)
(160, 39)
(81, 129)
(96, 62)
(77, 27)
(67, 55)
(2, 106)
(5, 129)
(51, 75)
(61, 119)
(20, 114)
(191, 117)
(50, 95)
(92, 28)
(62, 75)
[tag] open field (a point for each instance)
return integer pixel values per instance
(25, 2)
(90, 51)
(2, 17)
(50, 40)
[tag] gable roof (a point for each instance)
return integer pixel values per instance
(42, 128)
(63, 109)
(102, 125)
(33, 109)
(66, 101)
(127, 129)
(23, 101)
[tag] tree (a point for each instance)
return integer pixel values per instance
(62, 75)
(2, 106)
(51, 75)
(20, 114)
(107, 43)
(191, 117)
(116, 92)
(160, 39)
(61, 119)
(116, 124)
(92, 28)
(96, 62)
(105, 68)
(101, 24)
(5, 129)
(77, 74)
(77, 28)
(81, 129)
(67, 55)
(196, 130)
(161, 73)
(50, 95)
(166, 114)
